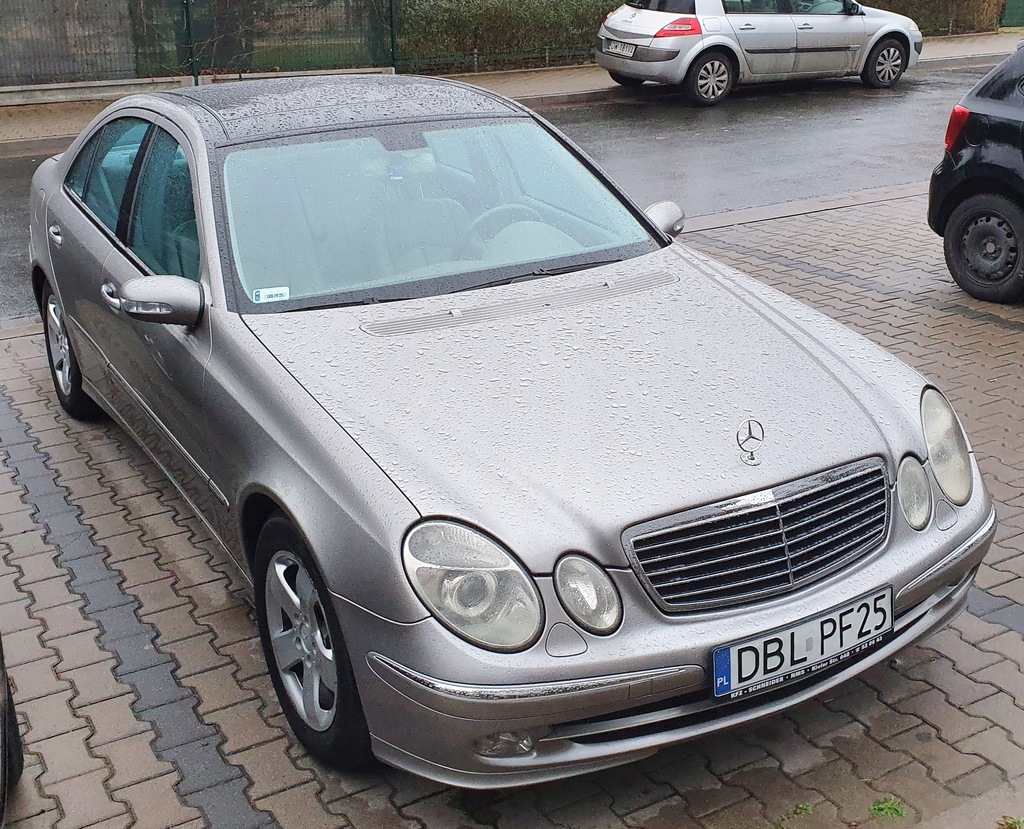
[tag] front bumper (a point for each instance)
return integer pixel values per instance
(429, 726)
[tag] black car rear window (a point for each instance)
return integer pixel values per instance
(672, 6)
(1004, 81)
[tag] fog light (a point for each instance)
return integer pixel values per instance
(504, 744)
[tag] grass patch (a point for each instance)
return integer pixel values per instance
(1008, 822)
(890, 807)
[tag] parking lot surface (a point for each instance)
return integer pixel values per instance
(144, 701)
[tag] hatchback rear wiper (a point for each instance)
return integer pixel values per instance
(537, 274)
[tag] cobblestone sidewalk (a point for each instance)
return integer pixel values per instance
(144, 701)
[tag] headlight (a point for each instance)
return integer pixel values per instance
(473, 586)
(915, 493)
(947, 447)
(587, 594)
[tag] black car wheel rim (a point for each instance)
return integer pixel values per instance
(989, 247)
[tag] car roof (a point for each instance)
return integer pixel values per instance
(253, 109)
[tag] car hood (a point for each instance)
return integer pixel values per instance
(558, 412)
(883, 16)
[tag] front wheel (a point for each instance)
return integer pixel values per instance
(305, 651)
(64, 370)
(625, 80)
(982, 243)
(885, 65)
(710, 79)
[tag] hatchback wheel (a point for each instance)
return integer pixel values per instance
(885, 65)
(64, 370)
(710, 79)
(982, 243)
(305, 651)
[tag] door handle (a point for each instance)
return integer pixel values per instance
(54, 231)
(748, 27)
(805, 26)
(111, 296)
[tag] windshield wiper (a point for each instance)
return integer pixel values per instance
(537, 274)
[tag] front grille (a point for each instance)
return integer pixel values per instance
(762, 544)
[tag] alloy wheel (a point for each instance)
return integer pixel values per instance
(301, 640)
(60, 351)
(989, 247)
(713, 80)
(889, 64)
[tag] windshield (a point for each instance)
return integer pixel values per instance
(415, 210)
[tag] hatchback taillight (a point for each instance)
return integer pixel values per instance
(681, 27)
(957, 122)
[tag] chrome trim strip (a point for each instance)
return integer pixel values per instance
(519, 693)
(774, 498)
(982, 536)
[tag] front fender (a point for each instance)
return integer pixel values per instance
(886, 30)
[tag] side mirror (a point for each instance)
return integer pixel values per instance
(850, 7)
(668, 216)
(171, 300)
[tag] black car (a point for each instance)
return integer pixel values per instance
(976, 201)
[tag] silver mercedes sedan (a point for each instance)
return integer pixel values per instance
(522, 487)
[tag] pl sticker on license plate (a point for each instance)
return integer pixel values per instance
(789, 654)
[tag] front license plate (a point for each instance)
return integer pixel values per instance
(613, 47)
(788, 654)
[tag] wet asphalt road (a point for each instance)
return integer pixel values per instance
(764, 145)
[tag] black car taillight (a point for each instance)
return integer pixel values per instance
(957, 121)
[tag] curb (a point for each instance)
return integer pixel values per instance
(802, 207)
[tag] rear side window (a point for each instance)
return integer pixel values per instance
(112, 164)
(79, 172)
(1004, 82)
(163, 230)
(752, 7)
(672, 6)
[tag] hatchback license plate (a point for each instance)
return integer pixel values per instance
(613, 47)
(765, 663)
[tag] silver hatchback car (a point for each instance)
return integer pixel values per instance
(708, 46)
(523, 488)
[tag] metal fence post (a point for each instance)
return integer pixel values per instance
(193, 66)
(393, 8)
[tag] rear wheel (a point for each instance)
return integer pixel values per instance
(710, 79)
(64, 370)
(982, 243)
(885, 65)
(305, 651)
(625, 80)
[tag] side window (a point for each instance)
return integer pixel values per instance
(752, 7)
(818, 7)
(79, 172)
(114, 157)
(163, 232)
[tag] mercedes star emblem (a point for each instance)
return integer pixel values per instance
(749, 437)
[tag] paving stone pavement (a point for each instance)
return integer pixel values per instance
(144, 701)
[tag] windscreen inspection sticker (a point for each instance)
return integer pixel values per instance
(270, 294)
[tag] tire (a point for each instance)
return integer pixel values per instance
(710, 79)
(14, 750)
(332, 727)
(984, 247)
(64, 370)
(885, 65)
(625, 80)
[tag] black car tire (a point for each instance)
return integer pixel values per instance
(345, 743)
(885, 54)
(625, 80)
(710, 79)
(13, 747)
(983, 246)
(72, 398)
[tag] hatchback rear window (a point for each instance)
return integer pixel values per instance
(672, 6)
